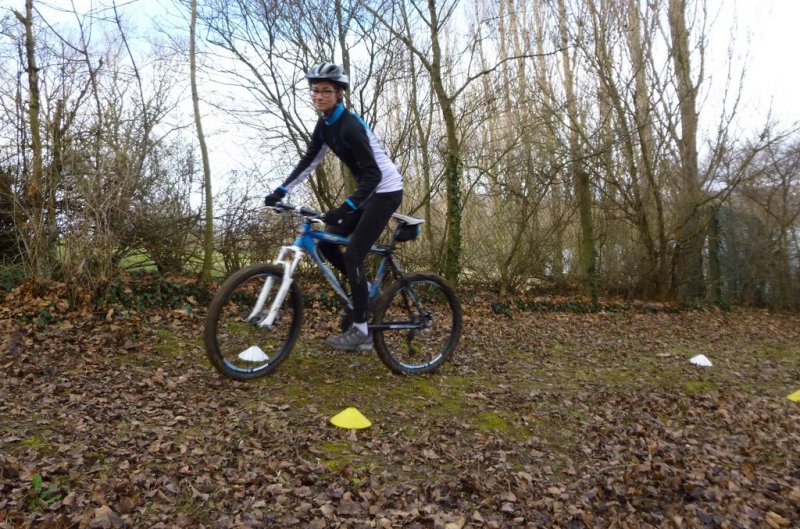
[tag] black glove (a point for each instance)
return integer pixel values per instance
(336, 216)
(275, 197)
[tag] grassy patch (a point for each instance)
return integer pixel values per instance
(336, 455)
(437, 396)
(775, 353)
(348, 460)
(168, 343)
(171, 344)
(492, 421)
(33, 444)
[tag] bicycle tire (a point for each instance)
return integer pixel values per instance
(419, 297)
(239, 349)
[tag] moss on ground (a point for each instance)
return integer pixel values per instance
(778, 353)
(32, 444)
(492, 421)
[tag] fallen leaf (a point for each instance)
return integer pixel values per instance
(776, 521)
(105, 518)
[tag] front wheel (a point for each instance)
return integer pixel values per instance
(417, 323)
(236, 345)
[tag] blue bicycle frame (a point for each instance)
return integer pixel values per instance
(306, 243)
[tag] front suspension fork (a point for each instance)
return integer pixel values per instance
(288, 258)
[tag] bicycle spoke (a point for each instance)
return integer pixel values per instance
(417, 324)
(237, 345)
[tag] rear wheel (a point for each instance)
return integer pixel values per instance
(417, 323)
(235, 343)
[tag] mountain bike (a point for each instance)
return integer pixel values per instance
(255, 316)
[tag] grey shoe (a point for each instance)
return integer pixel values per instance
(351, 340)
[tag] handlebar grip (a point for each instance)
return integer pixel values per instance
(304, 211)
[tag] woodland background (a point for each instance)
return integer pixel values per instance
(551, 145)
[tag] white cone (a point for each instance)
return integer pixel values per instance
(700, 360)
(253, 354)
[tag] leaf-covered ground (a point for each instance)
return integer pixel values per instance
(544, 419)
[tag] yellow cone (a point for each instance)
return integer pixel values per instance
(350, 419)
(795, 397)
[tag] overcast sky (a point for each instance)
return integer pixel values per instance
(767, 31)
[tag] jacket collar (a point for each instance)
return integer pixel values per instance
(335, 115)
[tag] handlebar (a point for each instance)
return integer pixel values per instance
(302, 210)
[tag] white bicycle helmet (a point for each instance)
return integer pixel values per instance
(327, 71)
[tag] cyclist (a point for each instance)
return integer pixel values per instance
(365, 213)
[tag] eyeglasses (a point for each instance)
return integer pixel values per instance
(326, 93)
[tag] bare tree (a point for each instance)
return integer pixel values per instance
(511, 243)
(39, 242)
(587, 256)
(208, 232)
(629, 160)
(422, 27)
(434, 18)
(689, 280)
(763, 268)
(96, 114)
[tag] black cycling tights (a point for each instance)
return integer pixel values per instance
(364, 226)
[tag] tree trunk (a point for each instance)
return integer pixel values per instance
(650, 192)
(714, 271)
(423, 136)
(208, 232)
(688, 280)
(39, 254)
(587, 255)
(453, 167)
(544, 86)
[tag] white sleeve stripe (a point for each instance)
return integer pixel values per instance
(300, 178)
(391, 180)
